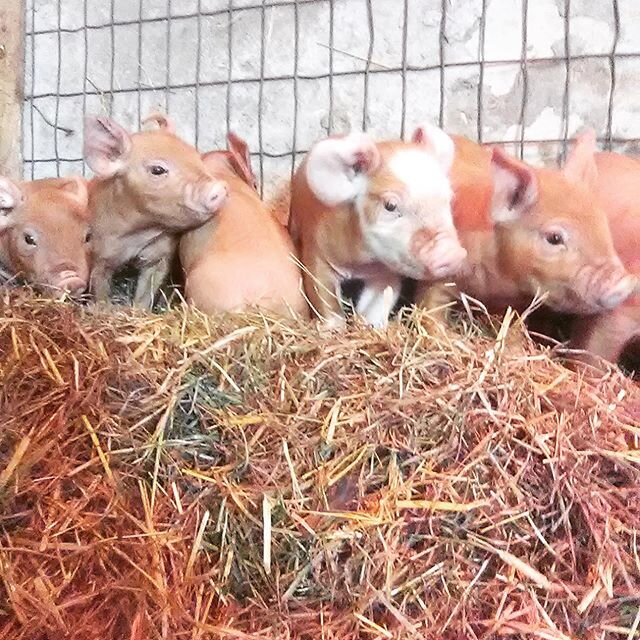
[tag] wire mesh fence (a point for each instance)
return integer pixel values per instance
(282, 73)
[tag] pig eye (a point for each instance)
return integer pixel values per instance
(30, 240)
(88, 237)
(157, 170)
(390, 205)
(555, 238)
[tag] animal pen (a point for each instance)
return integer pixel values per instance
(175, 476)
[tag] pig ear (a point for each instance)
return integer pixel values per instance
(75, 188)
(161, 120)
(436, 141)
(11, 196)
(240, 158)
(580, 166)
(337, 168)
(106, 146)
(515, 187)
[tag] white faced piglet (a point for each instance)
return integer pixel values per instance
(375, 212)
(243, 257)
(44, 233)
(150, 186)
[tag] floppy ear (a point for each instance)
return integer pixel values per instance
(106, 146)
(11, 197)
(580, 166)
(337, 168)
(240, 159)
(75, 188)
(436, 141)
(515, 187)
(161, 120)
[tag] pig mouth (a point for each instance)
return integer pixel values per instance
(194, 217)
(594, 300)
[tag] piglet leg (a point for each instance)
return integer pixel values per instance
(435, 298)
(322, 286)
(155, 264)
(378, 298)
(149, 281)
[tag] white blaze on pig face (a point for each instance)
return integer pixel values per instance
(406, 216)
(401, 194)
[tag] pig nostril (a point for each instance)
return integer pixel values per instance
(216, 197)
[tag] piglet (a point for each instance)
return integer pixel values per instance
(616, 180)
(377, 212)
(44, 233)
(149, 187)
(243, 257)
(530, 230)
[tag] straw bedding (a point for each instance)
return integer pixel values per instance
(171, 476)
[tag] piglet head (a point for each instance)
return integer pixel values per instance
(164, 176)
(48, 236)
(554, 237)
(401, 194)
(406, 211)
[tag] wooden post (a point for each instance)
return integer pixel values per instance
(11, 86)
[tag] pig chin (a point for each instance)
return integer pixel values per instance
(193, 217)
(404, 268)
(595, 296)
(571, 302)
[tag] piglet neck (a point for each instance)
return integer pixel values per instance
(484, 275)
(111, 197)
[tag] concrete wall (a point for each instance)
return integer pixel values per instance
(132, 59)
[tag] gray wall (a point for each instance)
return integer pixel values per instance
(131, 60)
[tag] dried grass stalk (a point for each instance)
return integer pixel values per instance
(180, 477)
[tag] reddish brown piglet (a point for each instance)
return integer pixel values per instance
(243, 257)
(150, 187)
(617, 191)
(529, 230)
(44, 233)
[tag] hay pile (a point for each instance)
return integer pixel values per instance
(169, 477)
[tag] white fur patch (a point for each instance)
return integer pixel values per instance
(378, 298)
(421, 173)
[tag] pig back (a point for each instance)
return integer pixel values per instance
(472, 183)
(618, 194)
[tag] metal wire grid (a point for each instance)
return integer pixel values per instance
(201, 118)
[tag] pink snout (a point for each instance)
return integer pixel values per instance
(214, 196)
(204, 199)
(71, 282)
(442, 257)
(615, 294)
